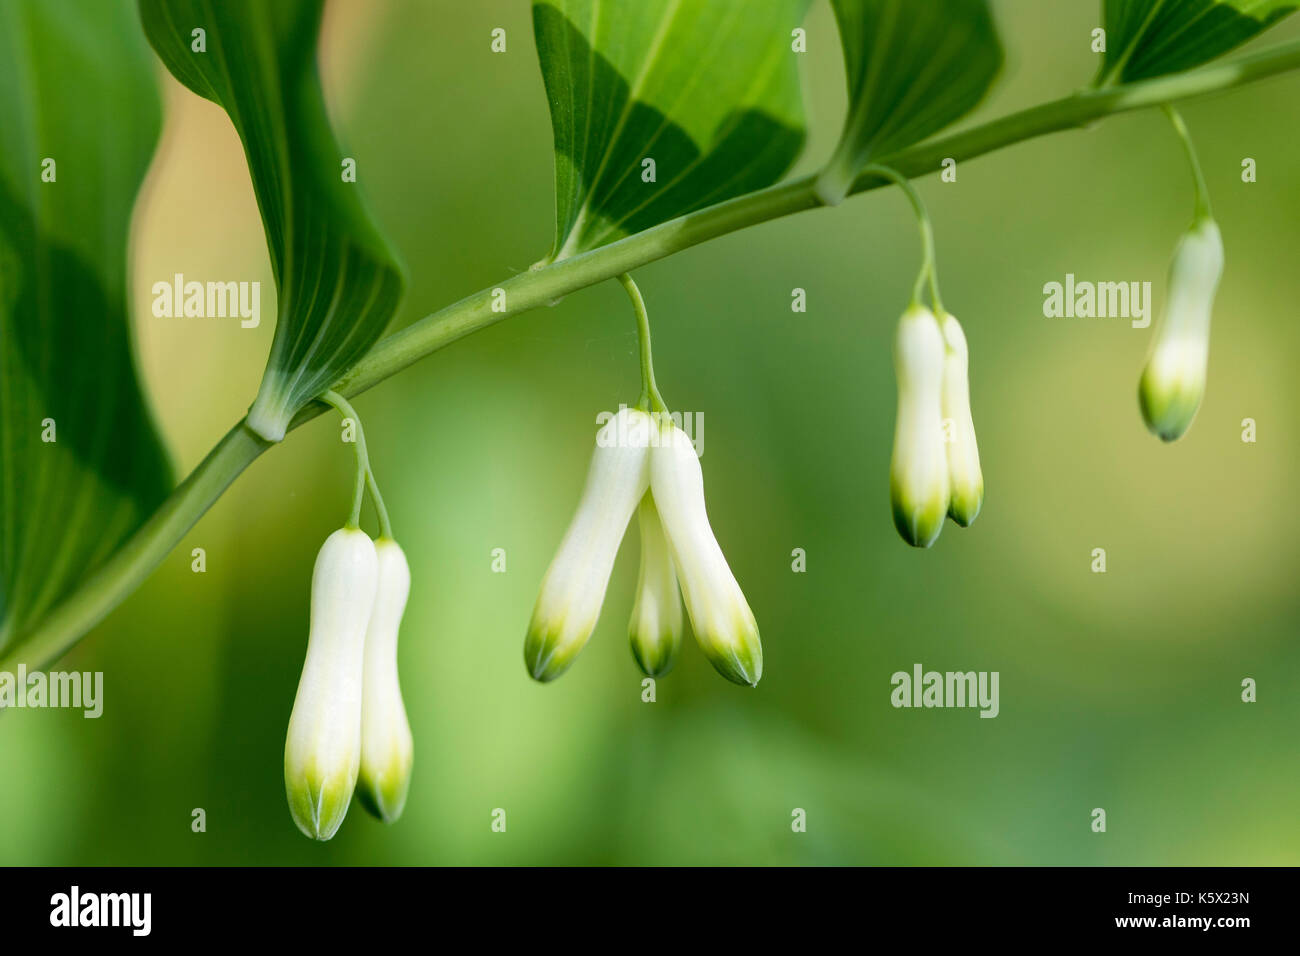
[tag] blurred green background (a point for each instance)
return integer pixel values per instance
(1119, 691)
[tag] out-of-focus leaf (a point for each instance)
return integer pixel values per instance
(80, 462)
(706, 89)
(1147, 38)
(337, 279)
(913, 67)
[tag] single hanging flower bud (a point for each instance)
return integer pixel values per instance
(574, 587)
(656, 627)
(723, 623)
(965, 480)
(1173, 381)
(919, 472)
(322, 751)
(386, 746)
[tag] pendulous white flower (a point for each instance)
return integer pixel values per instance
(655, 630)
(1173, 381)
(322, 751)
(965, 480)
(919, 484)
(723, 623)
(573, 589)
(386, 746)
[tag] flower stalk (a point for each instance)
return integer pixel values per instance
(650, 399)
(929, 271)
(365, 475)
(1202, 192)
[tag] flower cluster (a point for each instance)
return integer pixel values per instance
(935, 471)
(348, 730)
(644, 463)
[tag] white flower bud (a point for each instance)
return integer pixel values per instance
(1173, 381)
(919, 471)
(574, 587)
(655, 630)
(322, 751)
(723, 623)
(386, 746)
(965, 480)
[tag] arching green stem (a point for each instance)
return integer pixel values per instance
(150, 544)
(650, 399)
(928, 269)
(365, 475)
(1202, 193)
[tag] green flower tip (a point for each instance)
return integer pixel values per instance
(1173, 380)
(739, 662)
(318, 807)
(920, 522)
(384, 794)
(544, 656)
(655, 658)
(965, 505)
(1167, 411)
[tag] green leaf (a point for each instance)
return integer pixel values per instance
(707, 89)
(1146, 38)
(77, 88)
(913, 67)
(338, 281)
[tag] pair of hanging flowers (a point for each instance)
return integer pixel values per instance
(348, 731)
(935, 468)
(935, 471)
(645, 463)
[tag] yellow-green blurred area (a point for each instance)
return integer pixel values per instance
(1119, 691)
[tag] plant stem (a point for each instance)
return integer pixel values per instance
(145, 549)
(1198, 177)
(532, 289)
(650, 398)
(365, 474)
(385, 527)
(928, 268)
